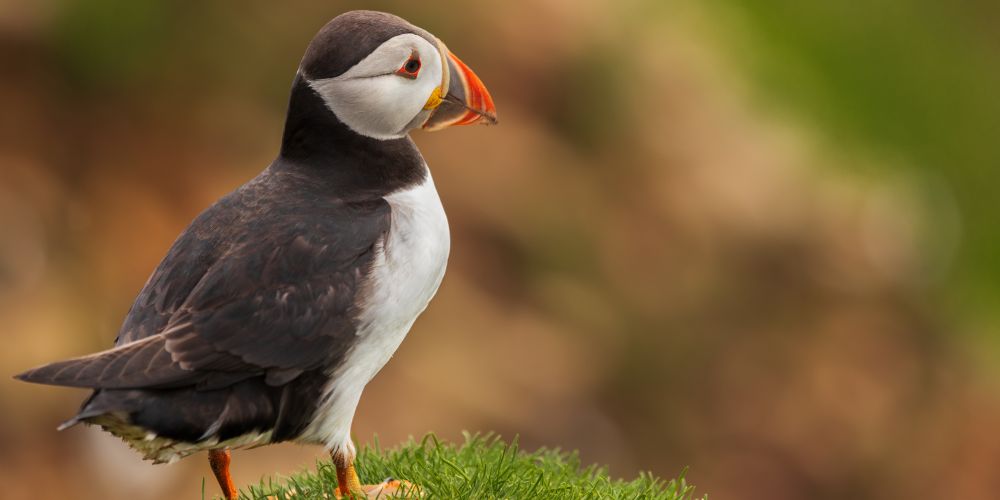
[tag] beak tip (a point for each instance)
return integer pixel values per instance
(467, 99)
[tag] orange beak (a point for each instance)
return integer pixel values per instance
(466, 101)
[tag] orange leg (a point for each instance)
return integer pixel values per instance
(348, 483)
(349, 486)
(219, 460)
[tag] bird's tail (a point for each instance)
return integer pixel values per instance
(87, 410)
(143, 363)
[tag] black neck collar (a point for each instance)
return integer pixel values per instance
(317, 143)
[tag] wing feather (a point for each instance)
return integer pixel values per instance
(276, 300)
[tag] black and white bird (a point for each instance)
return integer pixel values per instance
(280, 302)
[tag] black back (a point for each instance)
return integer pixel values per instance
(256, 302)
(349, 38)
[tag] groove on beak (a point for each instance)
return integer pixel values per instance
(466, 102)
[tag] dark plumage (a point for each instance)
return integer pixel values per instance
(354, 33)
(278, 303)
(253, 302)
(256, 292)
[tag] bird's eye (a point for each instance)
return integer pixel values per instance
(410, 68)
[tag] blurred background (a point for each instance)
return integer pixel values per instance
(757, 240)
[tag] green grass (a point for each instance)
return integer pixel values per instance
(483, 467)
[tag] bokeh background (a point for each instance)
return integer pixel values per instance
(758, 238)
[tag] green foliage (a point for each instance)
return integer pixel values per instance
(915, 80)
(483, 467)
(102, 43)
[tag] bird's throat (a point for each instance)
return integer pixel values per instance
(357, 166)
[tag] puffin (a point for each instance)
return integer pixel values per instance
(277, 305)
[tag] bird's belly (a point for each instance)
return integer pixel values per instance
(161, 449)
(407, 271)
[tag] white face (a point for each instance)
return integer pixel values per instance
(382, 96)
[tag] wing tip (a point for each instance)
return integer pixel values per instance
(46, 374)
(30, 376)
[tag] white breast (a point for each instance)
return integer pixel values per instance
(407, 271)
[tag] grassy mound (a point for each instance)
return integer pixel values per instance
(484, 467)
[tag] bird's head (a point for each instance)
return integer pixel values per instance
(382, 77)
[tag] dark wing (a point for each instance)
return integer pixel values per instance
(277, 301)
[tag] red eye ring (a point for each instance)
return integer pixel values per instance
(410, 68)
